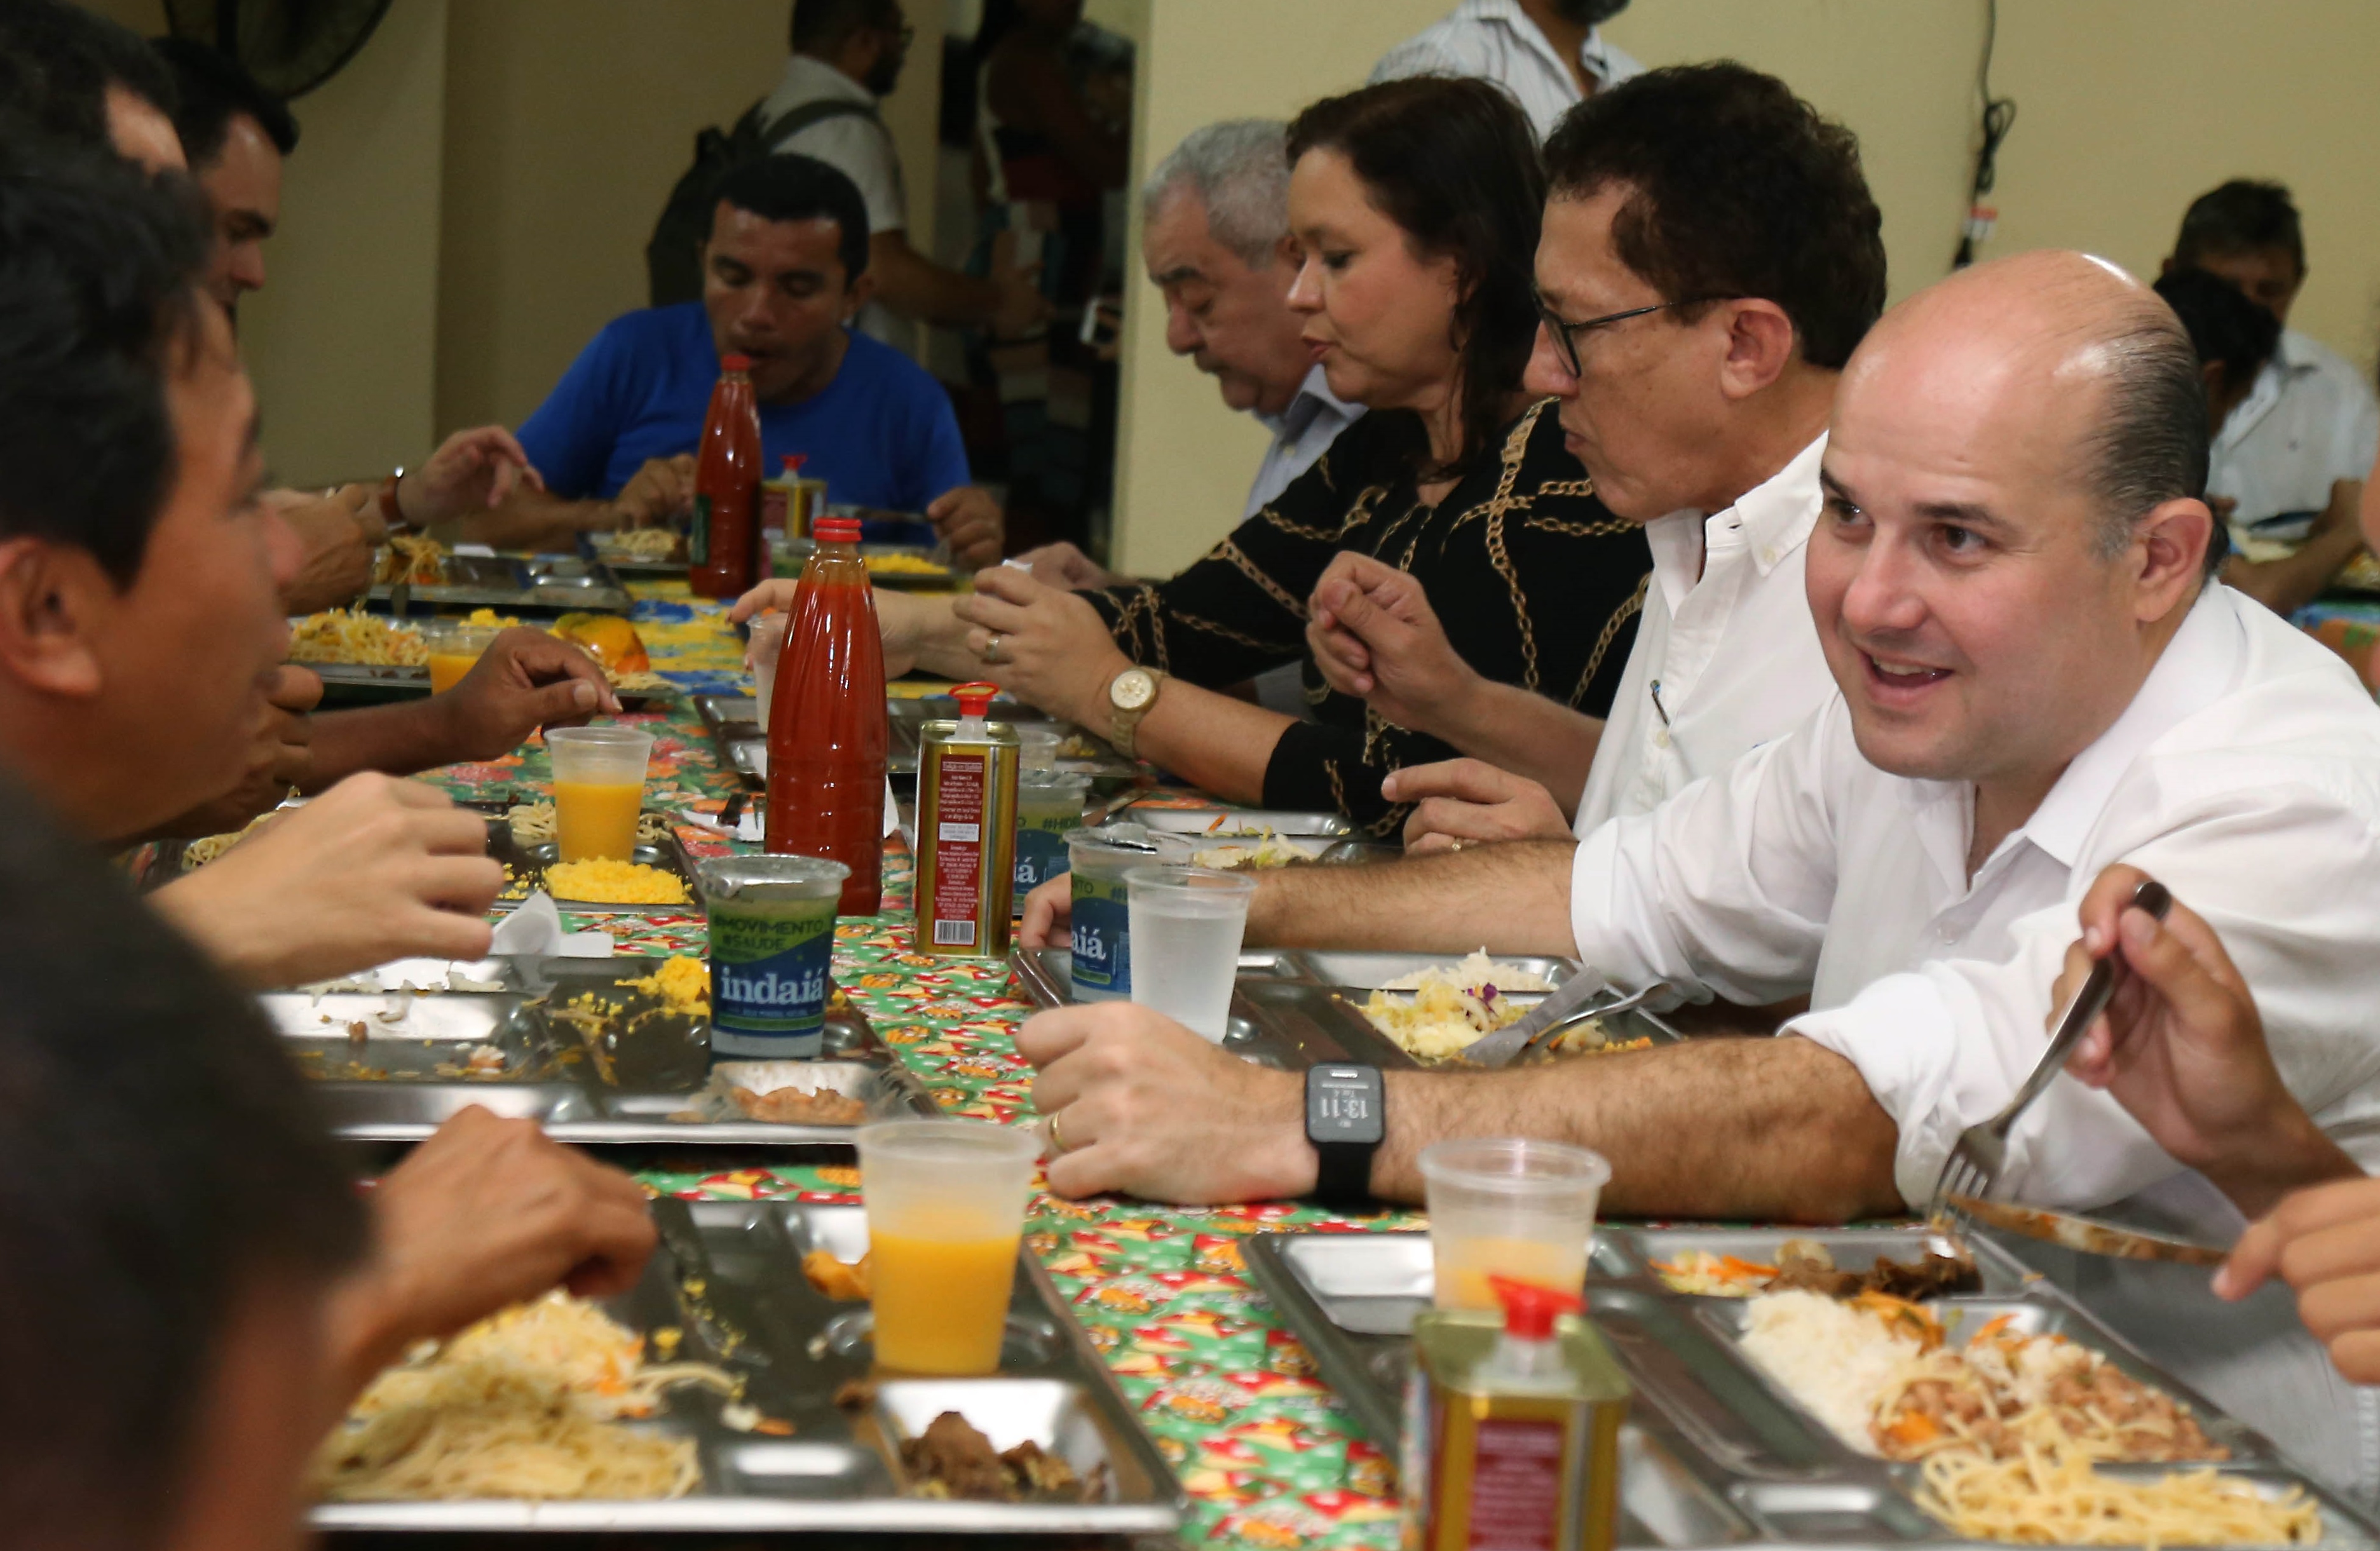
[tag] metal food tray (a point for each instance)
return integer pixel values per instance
(524, 583)
(1721, 1452)
(404, 1075)
(909, 715)
(728, 1274)
(1291, 1008)
(525, 873)
(389, 678)
(622, 563)
(1231, 823)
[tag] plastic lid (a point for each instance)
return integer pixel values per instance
(1530, 1308)
(734, 363)
(836, 530)
(974, 698)
(794, 462)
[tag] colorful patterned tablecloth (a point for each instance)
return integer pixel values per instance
(1267, 1454)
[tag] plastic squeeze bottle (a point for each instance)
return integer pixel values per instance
(828, 727)
(724, 547)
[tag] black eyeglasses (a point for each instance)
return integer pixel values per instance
(1564, 335)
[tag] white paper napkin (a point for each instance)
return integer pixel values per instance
(534, 930)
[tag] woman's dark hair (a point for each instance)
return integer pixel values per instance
(2225, 327)
(1455, 164)
(1737, 187)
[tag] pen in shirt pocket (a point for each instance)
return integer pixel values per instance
(1658, 709)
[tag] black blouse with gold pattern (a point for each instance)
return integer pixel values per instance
(1535, 582)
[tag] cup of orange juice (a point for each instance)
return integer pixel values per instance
(1509, 1207)
(945, 1209)
(454, 647)
(598, 789)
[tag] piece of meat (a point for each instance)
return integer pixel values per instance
(1034, 1473)
(794, 1106)
(1934, 1277)
(855, 1394)
(956, 1457)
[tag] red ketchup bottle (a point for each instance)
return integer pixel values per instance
(828, 728)
(725, 546)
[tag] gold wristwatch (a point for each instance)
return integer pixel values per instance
(1130, 693)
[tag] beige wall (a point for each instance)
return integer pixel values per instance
(2127, 108)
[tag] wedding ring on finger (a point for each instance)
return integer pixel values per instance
(990, 652)
(1057, 1141)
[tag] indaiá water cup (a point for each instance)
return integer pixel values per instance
(1101, 965)
(945, 1209)
(1186, 926)
(1509, 1207)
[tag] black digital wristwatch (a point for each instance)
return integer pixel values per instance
(1345, 1121)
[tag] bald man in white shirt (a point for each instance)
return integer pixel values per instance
(2034, 683)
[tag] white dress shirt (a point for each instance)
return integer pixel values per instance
(2309, 421)
(858, 148)
(1300, 434)
(1726, 656)
(1495, 40)
(2245, 775)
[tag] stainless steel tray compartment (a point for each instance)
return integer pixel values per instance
(1855, 1249)
(518, 583)
(1371, 972)
(623, 1088)
(1380, 1281)
(728, 1276)
(524, 871)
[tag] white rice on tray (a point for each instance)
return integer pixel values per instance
(1476, 970)
(1836, 1357)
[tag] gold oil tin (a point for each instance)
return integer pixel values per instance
(966, 833)
(1486, 1465)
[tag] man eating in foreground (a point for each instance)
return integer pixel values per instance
(2034, 682)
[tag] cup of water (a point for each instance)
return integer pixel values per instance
(1100, 966)
(1186, 925)
(761, 653)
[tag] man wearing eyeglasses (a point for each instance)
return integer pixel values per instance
(1710, 257)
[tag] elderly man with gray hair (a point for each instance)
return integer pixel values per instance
(1215, 233)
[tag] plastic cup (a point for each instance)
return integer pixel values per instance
(760, 654)
(772, 921)
(1036, 747)
(1509, 1206)
(1186, 925)
(1049, 808)
(945, 1209)
(453, 648)
(598, 789)
(1102, 969)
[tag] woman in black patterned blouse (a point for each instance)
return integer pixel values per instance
(1415, 206)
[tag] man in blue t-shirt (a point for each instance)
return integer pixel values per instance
(783, 273)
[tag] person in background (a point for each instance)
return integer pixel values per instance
(1416, 207)
(1715, 242)
(1054, 136)
(2235, 340)
(852, 52)
(233, 135)
(2290, 459)
(1549, 55)
(785, 273)
(1215, 237)
(193, 1280)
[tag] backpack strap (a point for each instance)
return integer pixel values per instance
(810, 114)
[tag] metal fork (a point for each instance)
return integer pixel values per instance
(1974, 1165)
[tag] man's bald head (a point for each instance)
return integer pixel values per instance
(2071, 342)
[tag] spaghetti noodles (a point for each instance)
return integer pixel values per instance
(349, 635)
(526, 1405)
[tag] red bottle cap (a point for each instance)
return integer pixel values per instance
(836, 530)
(794, 462)
(1531, 1309)
(974, 698)
(734, 363)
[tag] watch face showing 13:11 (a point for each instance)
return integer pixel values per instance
(1342, 1104)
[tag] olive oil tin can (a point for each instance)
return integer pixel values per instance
(967, 833)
